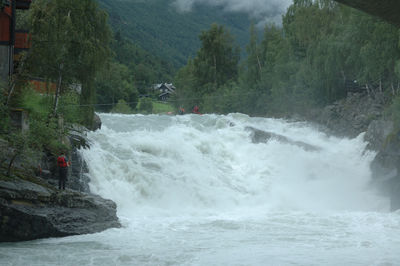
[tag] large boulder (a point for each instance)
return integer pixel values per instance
(260, 136)
(96, 124)
(31, 210)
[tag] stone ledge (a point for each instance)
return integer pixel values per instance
(29, 211)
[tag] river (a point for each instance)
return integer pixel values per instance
(195, 190)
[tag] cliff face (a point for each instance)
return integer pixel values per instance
(362, 113)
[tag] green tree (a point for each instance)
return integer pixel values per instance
(70, 44)
(187, 95)
(113, 83)
(217, 60)
(215, 65)
(254, 62)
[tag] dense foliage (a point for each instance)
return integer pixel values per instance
(216, 64)
(322, 51)
(131, 72)
(70, 45)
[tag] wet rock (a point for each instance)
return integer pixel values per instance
(351, 116)
(31, 211)
(96, 122)
(377, 133)
(77, 136)
(46, 174)
(78, 178)
(260, 136)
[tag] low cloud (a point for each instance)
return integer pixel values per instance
(263, 11)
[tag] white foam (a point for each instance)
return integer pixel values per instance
(189, 164)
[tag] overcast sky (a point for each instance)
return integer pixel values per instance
(262, 11)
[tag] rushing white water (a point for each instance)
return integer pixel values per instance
(195, 190)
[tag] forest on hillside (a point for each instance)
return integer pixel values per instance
(162, 30)
(322, 51)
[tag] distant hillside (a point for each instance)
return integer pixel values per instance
(158, 28)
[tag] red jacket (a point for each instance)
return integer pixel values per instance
(196, 110)
(62, 161)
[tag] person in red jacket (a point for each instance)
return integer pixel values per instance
(196, 110)
(63, 164)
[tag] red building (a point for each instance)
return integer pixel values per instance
(10, 41)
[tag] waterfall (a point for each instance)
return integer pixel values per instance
(209, 163)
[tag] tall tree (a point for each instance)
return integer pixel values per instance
(254, 62)
(217, 59)
(70, 44)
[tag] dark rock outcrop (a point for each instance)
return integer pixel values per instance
(377, 133)
(260, 136)
(352, 115)
(78, 173)
(35, 210)
(77, 136)
(96, 124)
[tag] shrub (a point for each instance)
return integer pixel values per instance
(122, 107)
(146, 106)
(69, 107)
(37, 104)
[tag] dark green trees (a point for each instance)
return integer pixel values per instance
(216, 61)
(321, 51)
(215, 64)
(130, 72)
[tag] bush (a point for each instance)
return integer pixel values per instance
(146, 106)
(37, 104)
(69, 107)
(42, 131)
(122, 107)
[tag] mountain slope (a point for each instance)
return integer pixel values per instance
(156, 26)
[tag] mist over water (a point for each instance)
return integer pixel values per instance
(195, 190)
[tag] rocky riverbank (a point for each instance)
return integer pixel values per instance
(32, 207)
(36, 210)
(360, 113)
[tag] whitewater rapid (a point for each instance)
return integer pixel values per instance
(196, 190)
(190, 164)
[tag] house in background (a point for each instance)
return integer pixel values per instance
(164, 90)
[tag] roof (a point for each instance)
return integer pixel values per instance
(167, 86)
